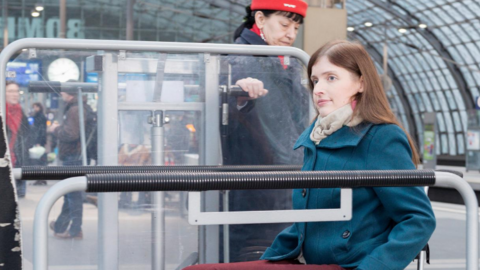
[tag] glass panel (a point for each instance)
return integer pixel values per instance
(448, 122)
(440, 122)
(434, 99)
(444, 144)
(459, 99)
(457, 122)
(461, 143)
(412, 103)
(438, 149)
(451, 100)
(443, 102)
(426, 100)
(452, 144)
(152, 110)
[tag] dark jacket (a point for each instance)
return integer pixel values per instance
(264, 131)
(22, 143)
(389, 225)
(39, 129)
(68, 134)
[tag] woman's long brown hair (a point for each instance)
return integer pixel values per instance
(372, 105)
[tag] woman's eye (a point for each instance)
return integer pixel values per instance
(331, 78)
(314, 82)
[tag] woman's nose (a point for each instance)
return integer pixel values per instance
(291, 32)
(317, 90)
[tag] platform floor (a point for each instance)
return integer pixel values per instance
(447, 244)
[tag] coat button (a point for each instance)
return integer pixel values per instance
(346, 234)
(304, 192)
(301, 236)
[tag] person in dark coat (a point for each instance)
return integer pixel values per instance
(39, 134)
(18, 132)
(264, 126)
(69, 223)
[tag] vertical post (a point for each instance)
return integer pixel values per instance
(108, 155)
(81, 122)
(158, 214)
(129, 34)
(63, 18)
(209, 235)
(5, 23)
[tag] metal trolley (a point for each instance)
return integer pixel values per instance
(226, 180)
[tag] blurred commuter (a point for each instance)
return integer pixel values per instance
(39, 134)
(264, 126)
(70, 154)
(18, 132)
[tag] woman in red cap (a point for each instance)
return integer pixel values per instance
(264, 126)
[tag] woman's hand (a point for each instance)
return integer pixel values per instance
(253, 87)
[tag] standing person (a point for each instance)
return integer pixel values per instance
(70, 154)
(18, 132)
(264, 126)
(39, 133)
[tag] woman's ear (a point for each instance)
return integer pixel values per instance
(259, 19)
(361, 88)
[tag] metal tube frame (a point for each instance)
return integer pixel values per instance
(108, 207)
(443, 179)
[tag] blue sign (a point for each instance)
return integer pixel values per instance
(25, 71)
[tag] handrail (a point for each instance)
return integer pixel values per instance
(442, 179)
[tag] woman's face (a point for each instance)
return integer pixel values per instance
(334, 86)
(277, 29)
(12, 95)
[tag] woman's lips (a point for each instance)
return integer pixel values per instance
(322, 102)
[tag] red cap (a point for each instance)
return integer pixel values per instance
(295, 6)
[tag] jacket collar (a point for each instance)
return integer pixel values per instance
(251, 37)
(345, 136)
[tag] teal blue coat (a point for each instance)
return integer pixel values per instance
(389, 225)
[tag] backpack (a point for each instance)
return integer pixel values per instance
(91, 132)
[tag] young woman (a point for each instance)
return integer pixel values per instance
(355, 130)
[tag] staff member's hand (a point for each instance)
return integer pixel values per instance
(253, 87)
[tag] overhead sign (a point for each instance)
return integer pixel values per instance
(34, 27)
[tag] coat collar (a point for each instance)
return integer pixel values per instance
(345, 136)
(251, 37)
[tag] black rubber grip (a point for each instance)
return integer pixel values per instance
(237, 91)
(201, 181)
(63, 172)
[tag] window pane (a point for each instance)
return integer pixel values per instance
(448, 122)
(457, 122)
(459, 99)
(451, 100)
(440, 122)
(433, 97)
(438, 146)
(461, 143)
(444, 144)
(443, 102)
(452, 145)
(426, 101)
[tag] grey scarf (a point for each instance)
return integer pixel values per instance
(327, 125)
